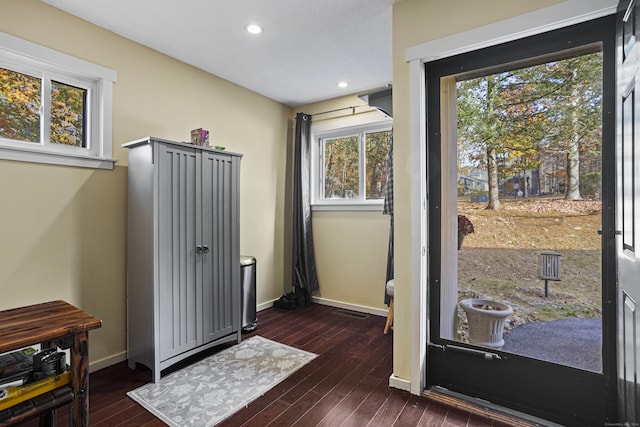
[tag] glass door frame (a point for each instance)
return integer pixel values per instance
(554, 392)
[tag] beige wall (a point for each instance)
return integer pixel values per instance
(350, 246)
(63, 229)
(416, 22)
(351, 256)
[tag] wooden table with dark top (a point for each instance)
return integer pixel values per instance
(55, 324)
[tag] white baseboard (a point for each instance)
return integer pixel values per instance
(107, 361)
(265, 305)
(334, 303)
(352, 307)
(399, 383)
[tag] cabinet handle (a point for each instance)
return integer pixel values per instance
(199, 249)
(205, 249)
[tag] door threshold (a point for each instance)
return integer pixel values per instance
(486, 409)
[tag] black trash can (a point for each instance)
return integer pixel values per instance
(248, 279)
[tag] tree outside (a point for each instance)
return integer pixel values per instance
(21, 108)
(342, 165)
(67, 114)
(377, 146)
(535, 130)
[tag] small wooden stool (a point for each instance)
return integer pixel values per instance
(389, 290)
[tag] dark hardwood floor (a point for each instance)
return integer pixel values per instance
(346, 385)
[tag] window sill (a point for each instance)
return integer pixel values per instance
(55, 158)
(347, 207)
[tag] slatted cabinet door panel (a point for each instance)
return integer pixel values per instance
(221, 265)
(178, 290)
(183, 255)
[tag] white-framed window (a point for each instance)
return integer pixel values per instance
(54, 108)
(349, 164)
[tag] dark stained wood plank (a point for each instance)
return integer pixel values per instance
(368, 407)
(45, 402)
(321, 381)
(24, 326)
(476, 420)
(347, 384)
(434, 415)
(48, 323)
(264, 417)
(456, 418)
(391, 409)
(297, 410)
(350, 403)
(356, 374)
(116, 414)
(412, 412)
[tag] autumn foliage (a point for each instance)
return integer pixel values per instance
(22, 109)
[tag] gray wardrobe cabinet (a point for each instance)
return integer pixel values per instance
(183, 251)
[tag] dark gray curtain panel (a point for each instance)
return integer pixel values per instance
(305, 275)
(388, 210)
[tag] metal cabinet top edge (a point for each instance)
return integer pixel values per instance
(150, 139)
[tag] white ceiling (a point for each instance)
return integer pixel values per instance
(306, 48)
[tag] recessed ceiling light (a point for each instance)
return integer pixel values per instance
(343, 84)
(254, 29)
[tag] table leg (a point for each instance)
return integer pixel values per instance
(79, 414)
(48, 419)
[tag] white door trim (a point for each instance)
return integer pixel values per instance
(542, 20)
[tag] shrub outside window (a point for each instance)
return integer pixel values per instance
(54, 108)
(351, 166)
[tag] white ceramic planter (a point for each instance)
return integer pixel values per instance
(486, 326)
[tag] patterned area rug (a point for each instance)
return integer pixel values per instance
(211, 390)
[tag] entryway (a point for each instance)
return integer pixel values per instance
(495, 269)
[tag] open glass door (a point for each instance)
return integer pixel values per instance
(529, 210)
(521, 184)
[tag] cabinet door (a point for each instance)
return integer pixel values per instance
(220, 231)
(179, 292)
